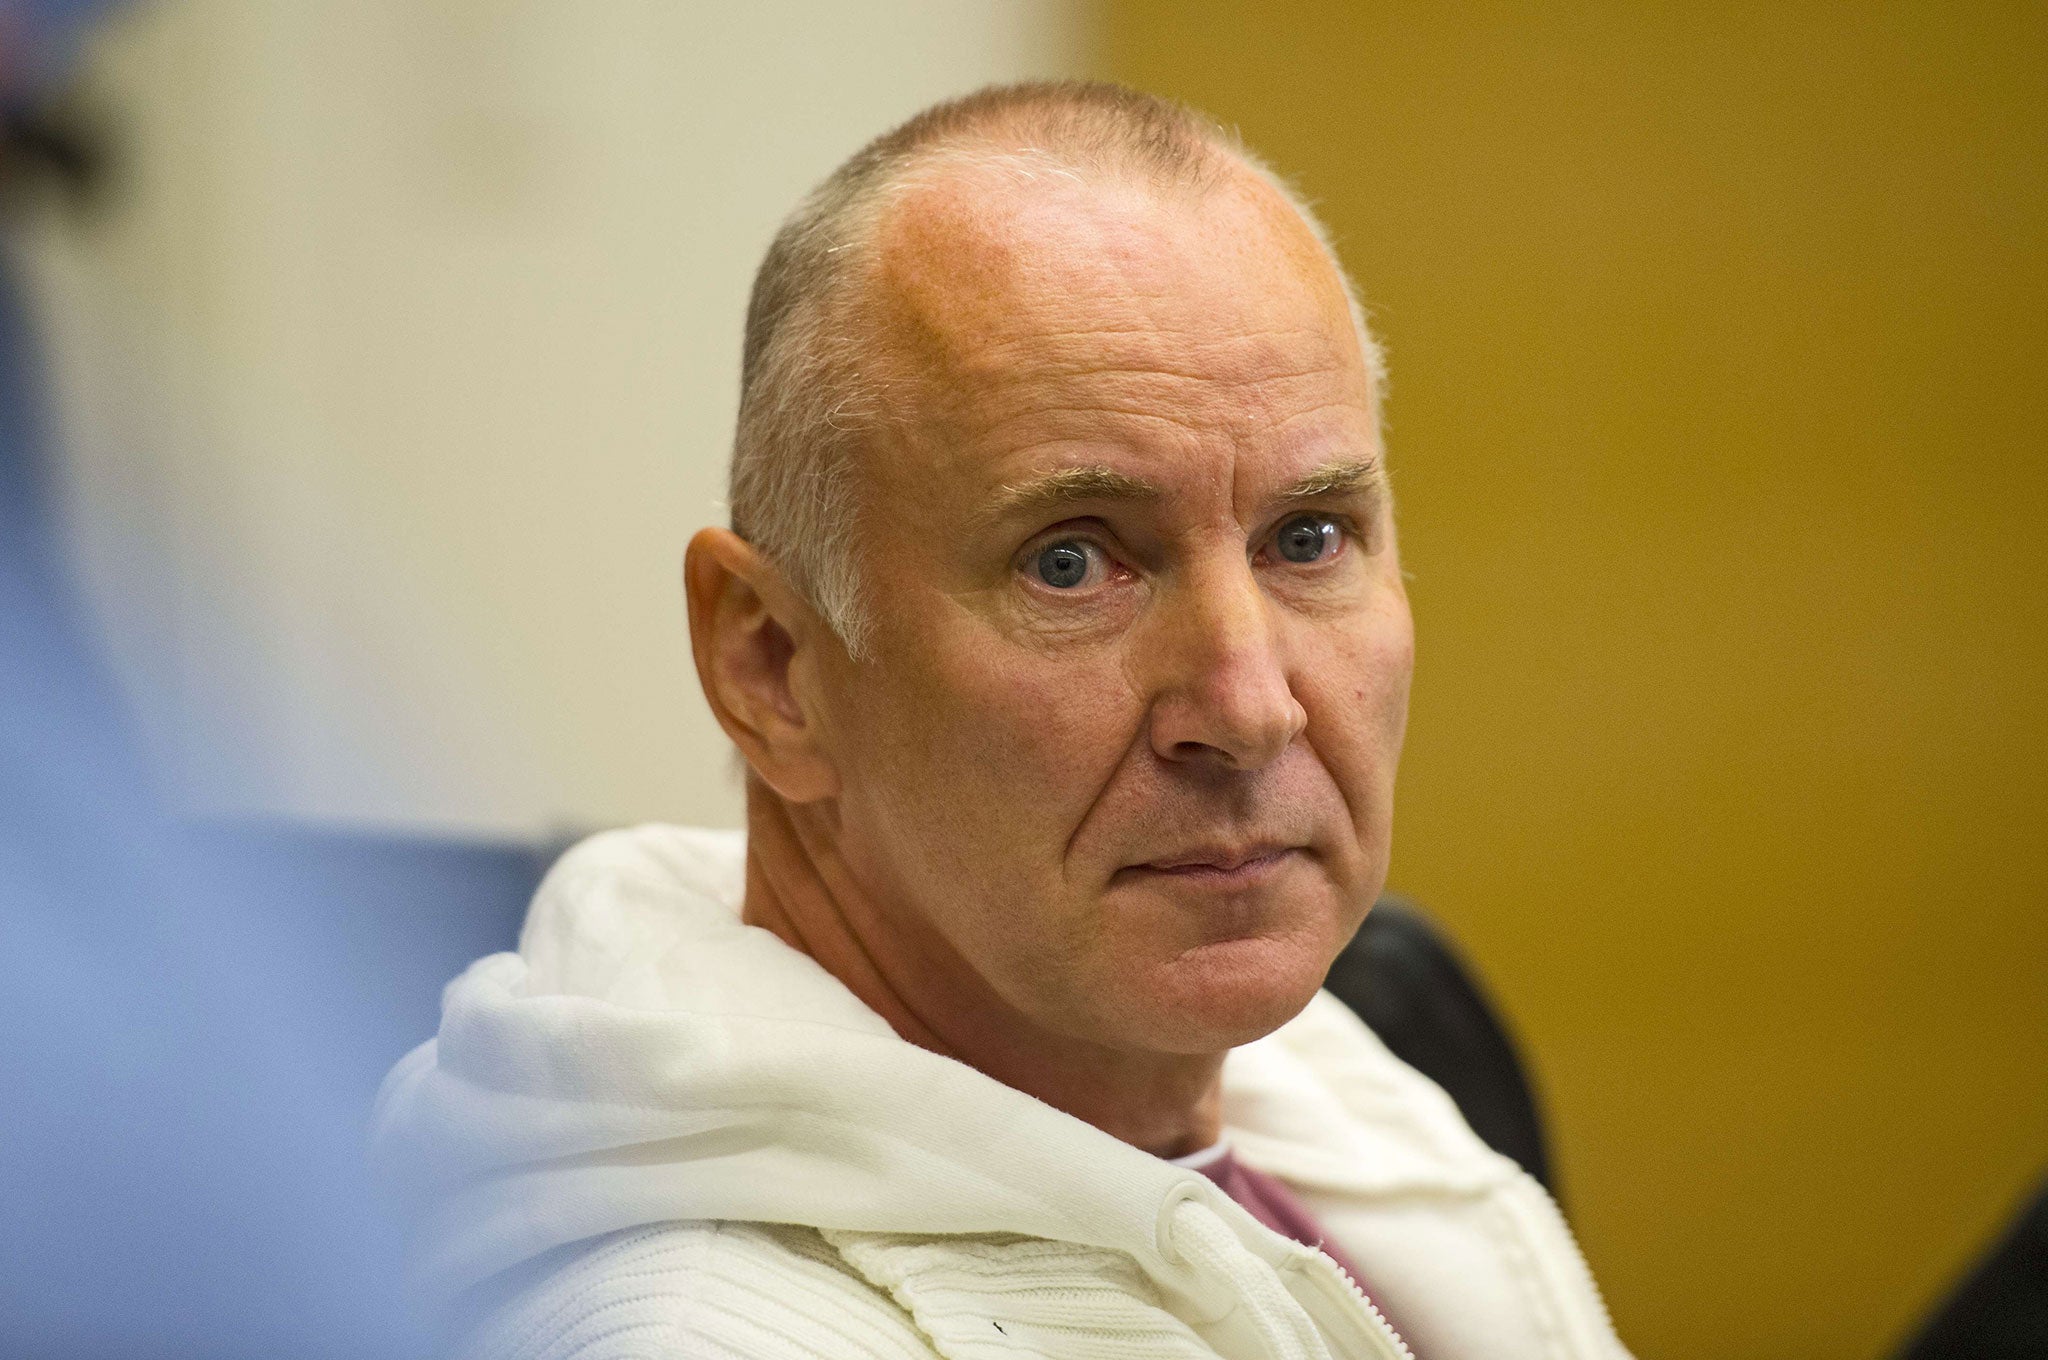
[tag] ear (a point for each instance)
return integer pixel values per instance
(755, 640)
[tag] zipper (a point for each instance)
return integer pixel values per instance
(1384, 1339)
(1332, 1314)
(1551, 1221)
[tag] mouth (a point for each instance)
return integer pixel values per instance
(1220, 866)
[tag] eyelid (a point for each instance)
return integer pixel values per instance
(1068, 531)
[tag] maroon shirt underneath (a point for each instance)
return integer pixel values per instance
(1268, 1200)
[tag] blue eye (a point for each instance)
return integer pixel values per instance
(1306, 538)
(1063, 565)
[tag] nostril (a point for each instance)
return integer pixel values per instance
(1199, 752)
(1242, 731)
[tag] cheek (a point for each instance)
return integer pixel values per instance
(989, 755)
(1389, 661)
(1047, 730)
(1357, 702)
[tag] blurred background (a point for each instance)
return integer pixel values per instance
(389, 352)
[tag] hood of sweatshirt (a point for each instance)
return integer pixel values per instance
(646, 1057)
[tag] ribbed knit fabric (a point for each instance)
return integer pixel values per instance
(983, 1297)
(656, 1133)
(723, 1291)
(720, 1291)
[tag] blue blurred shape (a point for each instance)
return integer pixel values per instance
(194, 1019)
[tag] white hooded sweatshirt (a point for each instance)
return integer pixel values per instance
(657, 1132)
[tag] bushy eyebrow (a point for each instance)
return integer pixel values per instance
(1353, 476)
(1349, 477)
(1067, 486)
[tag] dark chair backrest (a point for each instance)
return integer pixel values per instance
(1402, 976)
(2000, 1310)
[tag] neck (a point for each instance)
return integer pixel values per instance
(799, 887)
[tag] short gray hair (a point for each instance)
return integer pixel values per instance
(809, 389)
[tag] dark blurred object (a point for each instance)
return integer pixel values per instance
(56, 144)
(53, 144)
(1402, 977)
(2000, 1311)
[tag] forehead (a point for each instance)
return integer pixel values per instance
(1020, 311)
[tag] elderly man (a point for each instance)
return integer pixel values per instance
(1062, 631)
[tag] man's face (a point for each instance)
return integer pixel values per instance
(1125, 753)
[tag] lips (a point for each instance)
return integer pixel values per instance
(1217, 859)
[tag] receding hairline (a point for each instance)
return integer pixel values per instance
(1006, 146)
(816, 369)
(925, 233)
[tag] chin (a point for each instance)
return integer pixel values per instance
(1218, 996)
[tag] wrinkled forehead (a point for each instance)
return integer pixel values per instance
(991, 285)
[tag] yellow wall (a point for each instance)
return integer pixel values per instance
(1717, 423)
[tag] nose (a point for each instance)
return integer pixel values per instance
(1219, 682)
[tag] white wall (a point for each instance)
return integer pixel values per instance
(404, 362)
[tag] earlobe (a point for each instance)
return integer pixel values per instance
(750, 633)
